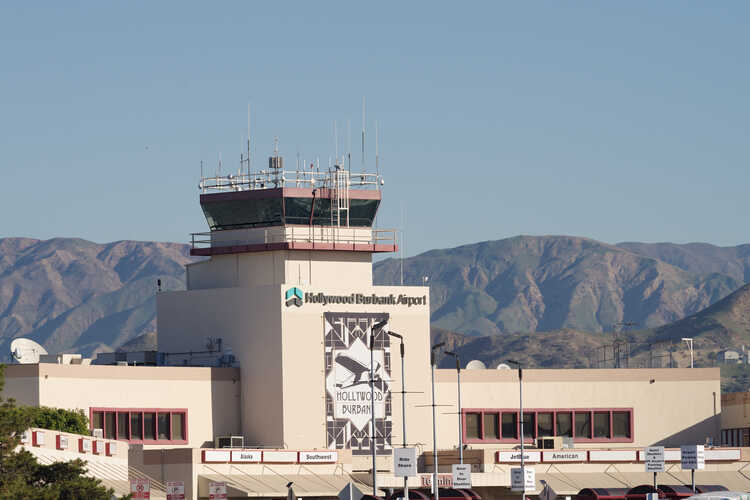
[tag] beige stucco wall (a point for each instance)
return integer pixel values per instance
(680, 406)
(735, 410)
(304, 374)
(249, 321)
(208, 394)
(22, 384)
(300, 267)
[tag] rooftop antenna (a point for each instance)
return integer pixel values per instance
(377, 158)
(248, 140)
(363, 131)
(336, 140)
(218, 171)
(349, 146)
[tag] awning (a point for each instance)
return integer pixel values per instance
(572, 483)
(274, 484)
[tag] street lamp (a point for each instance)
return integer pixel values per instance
(434, 428)
(520, 408)
(403, 403)
(690, 344)
(460, 415)
(377, 326)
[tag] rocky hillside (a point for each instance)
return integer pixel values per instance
(698, 258)
(547, 283)
(725, 324)
(72, 294)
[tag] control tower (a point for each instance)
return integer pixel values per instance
(287, 289)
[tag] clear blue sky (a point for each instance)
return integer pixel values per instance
(616, 121)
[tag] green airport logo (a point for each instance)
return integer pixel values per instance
(294, 296)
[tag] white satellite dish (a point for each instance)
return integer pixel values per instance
(503, 366)
(475, 364)
(26, 351)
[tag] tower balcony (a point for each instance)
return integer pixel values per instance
(290, 237)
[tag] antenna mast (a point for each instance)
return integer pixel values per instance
(363, 130)
(248, 142)
(377, 158)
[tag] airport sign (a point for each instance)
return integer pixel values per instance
(654, 458)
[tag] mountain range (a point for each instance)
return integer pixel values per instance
(75, 295)
(545, 283)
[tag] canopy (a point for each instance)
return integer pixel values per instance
(274, 485)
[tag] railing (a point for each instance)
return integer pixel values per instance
(272, 178)
(294, 234)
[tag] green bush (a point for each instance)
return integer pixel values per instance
(57, 419)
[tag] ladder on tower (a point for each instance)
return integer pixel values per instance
(339, 199)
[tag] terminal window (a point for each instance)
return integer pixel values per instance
(136, 425)
(581, 424)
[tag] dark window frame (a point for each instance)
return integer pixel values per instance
(142, 411)
(579, 439)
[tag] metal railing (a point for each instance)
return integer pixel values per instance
(277, 178)
(294, 234)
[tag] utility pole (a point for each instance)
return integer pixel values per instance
(434, 425)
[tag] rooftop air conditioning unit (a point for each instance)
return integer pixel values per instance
(229, 442)
(550, 443)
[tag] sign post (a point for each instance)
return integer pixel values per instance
(654, 459)
(140, 488)
(520, 483)
(461, 475)
(175, 490)
(693, 457)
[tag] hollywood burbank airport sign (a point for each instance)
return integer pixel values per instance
(295, 296)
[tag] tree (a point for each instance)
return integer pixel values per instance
(22, 477)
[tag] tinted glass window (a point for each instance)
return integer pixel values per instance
(544, 424)
(178, 426)
(136, 426)
(472, 426)
(583, 425)
(621, 424)
(97, 422)
(164, 426)
(601, 424)
(510, 424)
(109, 425)
(528, 425)
(490, 426)
(564, 424)
(149, 425)
(122, 426)
(243, 213)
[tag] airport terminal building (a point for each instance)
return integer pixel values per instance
(270, 361)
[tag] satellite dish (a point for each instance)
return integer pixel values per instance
(503, 366)
(475, 364)
(26, 351)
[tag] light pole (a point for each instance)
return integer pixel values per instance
(403, 404)
(520, 409)
(690, 344)
(460, 415)
(434, 427)
(377, 326)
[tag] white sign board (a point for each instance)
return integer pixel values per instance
(212, 456)
(246, 456)
(693, 457)
(565, 456)
(175, 490)
(318, 457)
(404, 462)
(519, 483)
(515, 456)
(461, 475)
(653, 457)
(140, 488)
(280, 457)
(217, 490)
